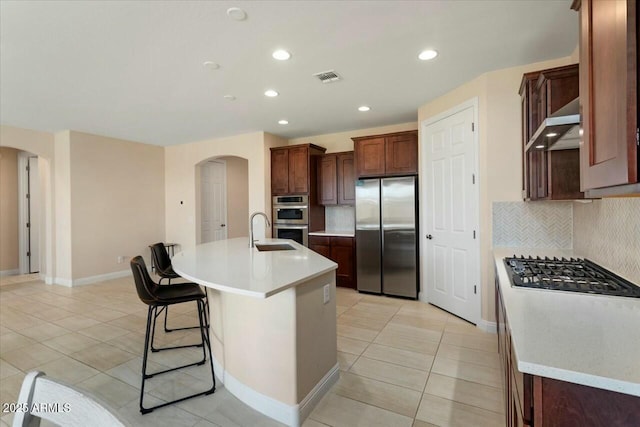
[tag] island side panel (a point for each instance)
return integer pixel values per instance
(215, 327)
(259, 342)
(316, 332)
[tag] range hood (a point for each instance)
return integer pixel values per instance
(560, 131)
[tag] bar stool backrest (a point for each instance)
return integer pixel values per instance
(160, 256)
(145, 286)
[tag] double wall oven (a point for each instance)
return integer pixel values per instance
(291, 218)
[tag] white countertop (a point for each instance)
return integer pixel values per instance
(232, 266)
(333, 233)
(581, 338)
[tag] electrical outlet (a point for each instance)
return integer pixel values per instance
(120, 259)
(327, 293)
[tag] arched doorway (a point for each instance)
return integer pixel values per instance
(33, 248)
(222, 198)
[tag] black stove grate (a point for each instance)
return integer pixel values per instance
(573, 275)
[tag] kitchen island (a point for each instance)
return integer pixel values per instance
(273, 332)
(569, 358)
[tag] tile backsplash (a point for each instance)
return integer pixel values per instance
(340, 218)
(533, 224)
(607, 232)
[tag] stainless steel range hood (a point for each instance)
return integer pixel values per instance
(560, 131)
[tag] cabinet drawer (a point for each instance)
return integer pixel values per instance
(342, 241)
(319, 240)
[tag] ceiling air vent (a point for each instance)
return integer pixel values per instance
(328, 76)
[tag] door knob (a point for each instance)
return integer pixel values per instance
(429, 236)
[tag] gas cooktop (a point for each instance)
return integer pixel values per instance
(573, 275)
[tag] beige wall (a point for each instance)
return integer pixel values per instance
(336, 142)
(499, 154)
(237, 196)
(117, 202)
(181, 180)
(8, 209)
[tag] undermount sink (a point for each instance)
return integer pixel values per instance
(274, 247)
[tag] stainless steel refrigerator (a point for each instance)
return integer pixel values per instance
(386, 230)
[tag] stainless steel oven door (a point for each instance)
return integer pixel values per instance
(291, 214)
(299, 233)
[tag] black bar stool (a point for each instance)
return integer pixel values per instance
(156, 296)
(164, 269)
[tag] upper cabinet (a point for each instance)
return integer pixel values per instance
(609, 154)
(391, 154)
(336, 179)
(548, 174)
(293, 167)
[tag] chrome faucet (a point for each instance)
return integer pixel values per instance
(253, 215)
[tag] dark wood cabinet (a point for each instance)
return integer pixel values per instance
(340, 250)
(280, 171)
(370, 154)
(609, 154)
(553, 174)
(391, 154)
(336, 179)
(346, 178)
(321, 245)
(293, 169)
(531, 400)
(327, 179)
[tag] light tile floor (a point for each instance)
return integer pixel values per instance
(403, 363)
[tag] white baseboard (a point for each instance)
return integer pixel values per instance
(311, 400)
(69, 283)
(487, 326)
(13, 272)
(291, 415)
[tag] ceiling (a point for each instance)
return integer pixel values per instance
(134, 69)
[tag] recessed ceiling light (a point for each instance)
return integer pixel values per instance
(539, 146)
(551, 134)
(428, 54)
(236, 13)
(283, 122)
(281, 55)
(229, 97)
(364, 108)
(271, 93)
(211, 65)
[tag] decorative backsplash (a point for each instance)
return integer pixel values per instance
(533, 224)
(607, 232)
(340, 218)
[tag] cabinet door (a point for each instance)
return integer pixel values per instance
(321, 245)
(298, 170)
(346, 179)
(369, 154)
(608, 93)
(342, 254)
(280, 171)
(327, 185)
(401, 156)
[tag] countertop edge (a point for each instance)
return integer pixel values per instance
(528, 367)
(333, 233)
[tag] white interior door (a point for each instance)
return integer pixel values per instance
(450, 270)
(213, 186)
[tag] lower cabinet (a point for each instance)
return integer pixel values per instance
(340, 250)
(531, 400)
